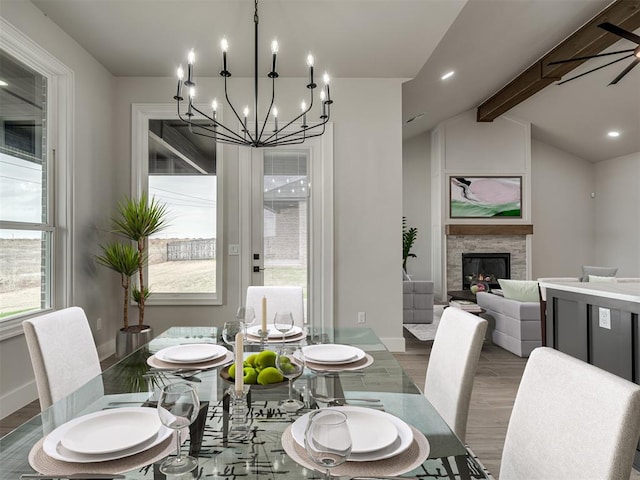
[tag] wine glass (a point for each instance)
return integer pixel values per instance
(229, 331)
(327, 439)
(290, 362)
(247, 316)
(283, 322)
(178, 407)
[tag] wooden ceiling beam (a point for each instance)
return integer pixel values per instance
(588, 40)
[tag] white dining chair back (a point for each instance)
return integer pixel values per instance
(278, 298)
(452, 366)
(570, 420)
(63, 353)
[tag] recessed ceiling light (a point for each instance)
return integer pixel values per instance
(3, 83)
(447, 75)
(613, 134)
(420, 115)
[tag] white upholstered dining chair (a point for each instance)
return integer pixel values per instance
(63, 353)
(570, 420)
(278, 298)
(452, 366)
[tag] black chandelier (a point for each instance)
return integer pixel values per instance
(291, 133)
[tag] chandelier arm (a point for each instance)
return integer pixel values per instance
(227, 140)
(215, 134)
(266, 117)
(216, 122)
(295, 119)
(296, 140)
(297, 132)
(226, 96)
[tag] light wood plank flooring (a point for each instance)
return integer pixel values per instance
(494, 391)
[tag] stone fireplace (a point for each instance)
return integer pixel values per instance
(505, 239)
(488, 267)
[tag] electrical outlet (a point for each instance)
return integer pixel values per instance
(362, 317)
(604, 318)
(99, 323)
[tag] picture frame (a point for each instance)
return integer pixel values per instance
(497, 196)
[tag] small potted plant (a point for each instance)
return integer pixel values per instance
(136, 219)
(409, 236)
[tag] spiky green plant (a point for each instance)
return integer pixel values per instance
(123, 259)
(409, 236)
(138, 219)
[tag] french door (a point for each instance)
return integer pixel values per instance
(287, 222)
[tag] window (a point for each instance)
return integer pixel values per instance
(33, 263)
(181, 170)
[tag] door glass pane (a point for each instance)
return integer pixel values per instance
(182, 175)
(286, 213)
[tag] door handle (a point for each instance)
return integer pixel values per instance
(257, 269)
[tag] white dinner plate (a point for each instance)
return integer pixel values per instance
(296, 338)
(254, 330)
(331, 353)
(110, 431)
(404, 434)
(191, 353)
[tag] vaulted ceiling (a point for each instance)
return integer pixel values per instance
(487, 42)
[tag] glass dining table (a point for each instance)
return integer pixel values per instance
(260, 454)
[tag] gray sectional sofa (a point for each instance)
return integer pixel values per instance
(515, 325)
(417, 301)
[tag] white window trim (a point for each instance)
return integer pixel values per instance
(60, 139)
(141, 113)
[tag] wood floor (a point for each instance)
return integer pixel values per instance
(494, 391)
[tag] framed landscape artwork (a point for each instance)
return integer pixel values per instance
(485, 197)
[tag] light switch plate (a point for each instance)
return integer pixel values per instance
(604, 318)
(234, 249)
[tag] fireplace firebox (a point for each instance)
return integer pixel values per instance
(488, 267)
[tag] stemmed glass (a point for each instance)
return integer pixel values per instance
(283, 322)
(229, 331)
(327, 439)
(178, 407)
(290, 362)
(246, 315)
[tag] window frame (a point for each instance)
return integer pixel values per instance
(60, 88)
(141, 113)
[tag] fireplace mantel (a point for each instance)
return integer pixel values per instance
(485, 229)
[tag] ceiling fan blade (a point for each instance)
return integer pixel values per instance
(594, 69)
(625, 71)
(621, 32)
(577, 59)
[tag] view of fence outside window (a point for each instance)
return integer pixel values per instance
(26, 232)
(182, 175)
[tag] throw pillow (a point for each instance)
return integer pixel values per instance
(521, 290)
(599, 271)
(599, 279)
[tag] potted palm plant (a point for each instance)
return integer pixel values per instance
(136, 219)
(409, 236)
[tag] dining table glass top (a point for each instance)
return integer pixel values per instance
(131, 382)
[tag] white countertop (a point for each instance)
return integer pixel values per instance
(627, 291)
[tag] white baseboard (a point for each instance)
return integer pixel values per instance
(394, 344)
(107, 349)
(18, 398)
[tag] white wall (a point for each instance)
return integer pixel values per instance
(93, 182)
(617, 214)
(563, 212)
(368, 197)
(416, 201)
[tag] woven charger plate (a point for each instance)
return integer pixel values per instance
(406, 461)
(43, 463)
(152, 361)
(341, 367)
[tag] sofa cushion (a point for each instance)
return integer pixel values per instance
(600, 271)
(510, 307)
(521, 290)
(599, 279)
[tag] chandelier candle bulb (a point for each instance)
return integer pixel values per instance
(324, 104)
(274, 53)
(180, 77)
(303, 107)
(190, 59)
(310, 63)
(224, 45)
(239, 362)
(275, 118)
